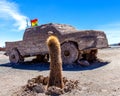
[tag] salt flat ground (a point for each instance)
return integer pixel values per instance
(99, 79)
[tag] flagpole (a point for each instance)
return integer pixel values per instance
(27, 23)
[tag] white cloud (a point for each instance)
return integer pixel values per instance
(112, 31)
(10, 11)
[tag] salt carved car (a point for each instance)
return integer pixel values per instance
(75, 44)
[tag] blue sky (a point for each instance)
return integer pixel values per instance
(83, 14)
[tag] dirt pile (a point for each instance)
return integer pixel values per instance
(38, 85)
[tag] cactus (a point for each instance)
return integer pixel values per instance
(55, 77)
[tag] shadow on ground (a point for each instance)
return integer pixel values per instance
(45, 66)
(77, 67)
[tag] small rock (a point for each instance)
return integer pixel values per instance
(30, 85)
(39, 79)
(54, 91)
(45, 81)
(84, 62)
(39, 88)
(65, 80)
(70, 85)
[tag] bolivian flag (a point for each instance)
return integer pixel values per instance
(34, 22)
